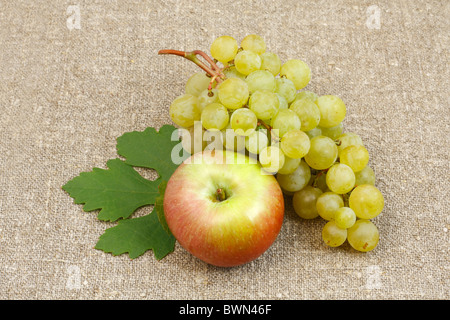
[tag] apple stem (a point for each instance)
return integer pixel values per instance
(220, 194)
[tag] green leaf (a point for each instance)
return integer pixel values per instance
(159, 206)
(150, 149)
(136, 236)
(117, 191)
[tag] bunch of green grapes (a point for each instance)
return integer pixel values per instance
(341, 189)
(245, 107)
(251, 102)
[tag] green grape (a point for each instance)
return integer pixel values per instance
(332, 235)
(283, 102)
(284, 121)
(197, 83)
(215, 116)
(224, 49)
(306, 95)
(290, 165)
(322, 153)
(231, 140)
(297, 71)
(345, 217)
(233, 93)
(256, 141)
(255, 43)
(207, 97)
(308, 112)
(348, 139)
(365, 176)
(270, 62)
(340, 178)
(296, 180)
(332, 110)
(231, 72)
(286, 88)
(304, 202)
(356, 157)
(243, 121)
(367, 201)
(271, 159)
(314, 132)
(260, 80)
(363, 235)
(192, 138)
(328, 203)
(333, 132)
(184, 110)
(246, 62)
(295, 143)
(264, 104)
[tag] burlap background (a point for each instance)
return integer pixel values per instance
(68, 90)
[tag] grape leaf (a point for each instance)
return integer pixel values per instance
(145, 149)
(117, 191)
(159, 206)
(136, 236)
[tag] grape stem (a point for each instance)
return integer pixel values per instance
(211, 82)
(269, 128)
(213, 69)
(321, 172)
(345, 197)
(207, 58)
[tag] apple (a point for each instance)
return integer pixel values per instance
(222, 208)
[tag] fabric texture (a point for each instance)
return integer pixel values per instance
(75, 75)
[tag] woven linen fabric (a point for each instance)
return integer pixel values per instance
(75, 75)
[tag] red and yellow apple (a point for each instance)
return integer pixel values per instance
(222, 208)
